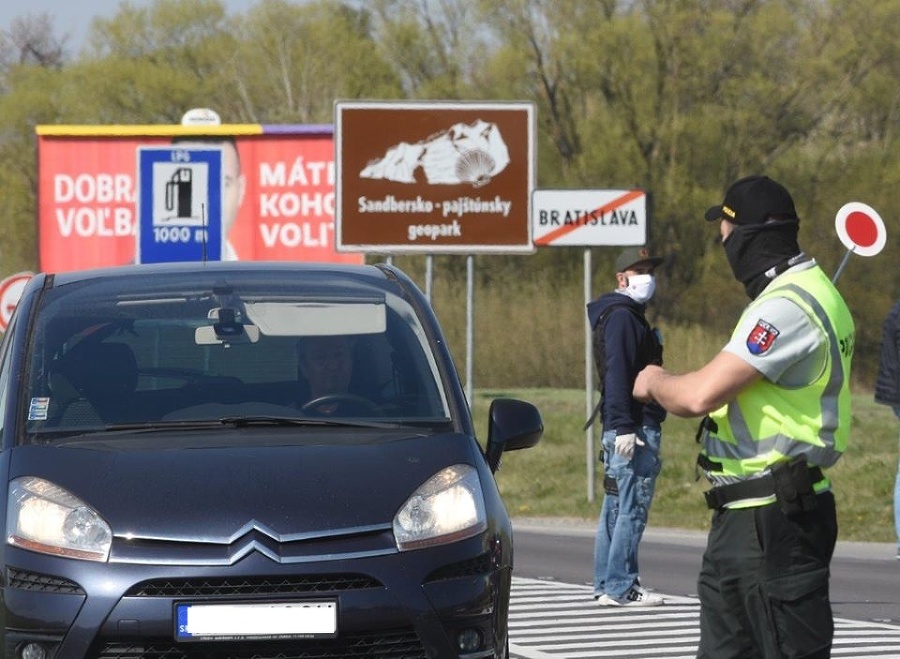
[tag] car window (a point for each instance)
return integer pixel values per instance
(103, 357)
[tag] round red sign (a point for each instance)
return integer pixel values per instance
(860, 229)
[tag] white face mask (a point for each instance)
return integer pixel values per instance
(640, 288)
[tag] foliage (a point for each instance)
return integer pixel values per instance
(291, 63)
(676, 97)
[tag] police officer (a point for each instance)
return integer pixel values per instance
(777, 401)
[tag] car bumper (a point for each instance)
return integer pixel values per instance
(415, 604)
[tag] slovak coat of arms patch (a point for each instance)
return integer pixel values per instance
(761, 337)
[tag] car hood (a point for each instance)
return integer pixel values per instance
(215, 494)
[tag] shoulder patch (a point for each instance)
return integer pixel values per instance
(761, 337)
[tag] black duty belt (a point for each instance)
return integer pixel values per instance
(753, 488)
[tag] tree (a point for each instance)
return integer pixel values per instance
(31, 40)
(149, 64)
(293, 61)
(31, 55)
(436, 46)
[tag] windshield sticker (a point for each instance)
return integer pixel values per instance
(37, 411)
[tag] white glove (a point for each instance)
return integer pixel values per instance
(625, 444)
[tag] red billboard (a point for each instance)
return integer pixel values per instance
(282, 188)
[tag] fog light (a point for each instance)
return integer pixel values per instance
(33, 651)
(469, 640)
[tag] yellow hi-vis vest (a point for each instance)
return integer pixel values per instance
(769, 423)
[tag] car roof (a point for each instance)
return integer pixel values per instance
(374, 273)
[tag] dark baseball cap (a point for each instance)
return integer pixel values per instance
(635, 256)
(752, 200)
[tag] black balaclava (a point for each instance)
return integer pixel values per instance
(754, 249)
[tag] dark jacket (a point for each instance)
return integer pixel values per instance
(629, 346)
(887, 386)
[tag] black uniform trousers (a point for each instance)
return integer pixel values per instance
(763, 585)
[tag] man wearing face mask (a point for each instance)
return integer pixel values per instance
(624, 343)
(776, 408)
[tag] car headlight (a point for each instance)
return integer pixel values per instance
(448, 507)
(45, 518)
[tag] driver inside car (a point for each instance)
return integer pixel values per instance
(326, 363)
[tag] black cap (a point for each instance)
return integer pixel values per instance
(633, 256)
(752, 200)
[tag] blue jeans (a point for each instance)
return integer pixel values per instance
(623, 517)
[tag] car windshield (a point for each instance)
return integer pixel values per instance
(235, 349)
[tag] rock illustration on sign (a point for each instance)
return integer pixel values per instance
(465, 153)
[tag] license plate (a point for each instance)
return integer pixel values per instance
(255, 621)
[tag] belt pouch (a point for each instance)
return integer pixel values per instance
(793, 487)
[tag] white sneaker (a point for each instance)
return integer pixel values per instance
(638, 587)
(636, 596)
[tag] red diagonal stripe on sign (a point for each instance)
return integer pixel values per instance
(548, 238)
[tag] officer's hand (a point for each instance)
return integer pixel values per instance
(625, 444)
(641, 389)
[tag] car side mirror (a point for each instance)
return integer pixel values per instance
(513, 425)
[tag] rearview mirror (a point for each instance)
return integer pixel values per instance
(227, 329)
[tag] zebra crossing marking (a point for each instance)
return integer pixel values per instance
(554, 620)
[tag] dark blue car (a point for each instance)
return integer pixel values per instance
(246, 460)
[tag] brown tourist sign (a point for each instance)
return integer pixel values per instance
(434, 177)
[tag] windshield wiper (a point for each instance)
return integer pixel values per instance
(53, 436)
(242, 421)
(152, 426)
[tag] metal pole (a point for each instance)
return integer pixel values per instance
(588, 379)
(470, 325)
(429, 275)
(842, 265)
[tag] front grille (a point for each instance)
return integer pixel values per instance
(389, 644)
(24, 580)
(230, 586)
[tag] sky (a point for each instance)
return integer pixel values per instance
(73, 17)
